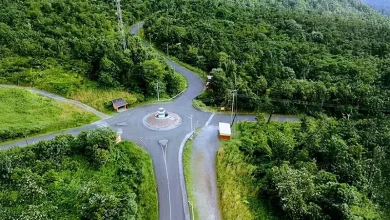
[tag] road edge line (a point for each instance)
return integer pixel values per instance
(208, 121)
(182, 182)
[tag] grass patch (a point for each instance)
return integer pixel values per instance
(188, 177)
(237, 191)
(203, 107)
(24, 113)
(148, 200)
(183, 84)
(100, 99)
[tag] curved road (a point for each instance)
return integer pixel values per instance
(167, 163)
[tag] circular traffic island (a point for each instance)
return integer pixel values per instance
(162, 120)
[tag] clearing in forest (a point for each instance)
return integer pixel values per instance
(24, 113)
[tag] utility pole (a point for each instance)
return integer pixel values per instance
(158, 93)
(190, 117)
(120, 22)
(234, 93)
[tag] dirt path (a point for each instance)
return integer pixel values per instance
(204, 177)
(61, 99)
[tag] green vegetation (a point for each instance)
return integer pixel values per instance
(24, 113)
(201, 106)
(100, 99)
(316, 169)
(322, 55)
(75, 49)
(84, 177)
(202, 74)
(188, 177)
(237, 187)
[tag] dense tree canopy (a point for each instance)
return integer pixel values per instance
(84, 177)
(315, 169)
(76, 37)
(321, 54)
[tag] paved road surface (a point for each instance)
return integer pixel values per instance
(204, 149)
(171, 188)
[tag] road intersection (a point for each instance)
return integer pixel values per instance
(167, 157)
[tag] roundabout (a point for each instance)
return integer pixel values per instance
(162, 120)
(153, 131)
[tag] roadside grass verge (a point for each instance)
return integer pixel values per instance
(203, 107)
(24, 113)
(100, 99)
(198, 104)
(148, 201)
(237, 193)
(187, 153)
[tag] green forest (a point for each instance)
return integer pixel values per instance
(289, 56)
(329, 59)
(83, 177)
(72, 47)
(316, 169)
(292, 56)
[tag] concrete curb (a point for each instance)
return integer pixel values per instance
(181, 174)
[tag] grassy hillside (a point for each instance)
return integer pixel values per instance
(84, 177)
(24, 113)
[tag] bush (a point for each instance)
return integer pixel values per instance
(57, 179)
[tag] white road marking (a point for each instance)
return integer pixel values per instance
(143, 142)
(208, 121)
(166, 171)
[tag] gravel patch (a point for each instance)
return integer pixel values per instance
(203, 168)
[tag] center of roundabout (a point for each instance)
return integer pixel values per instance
(162, 120)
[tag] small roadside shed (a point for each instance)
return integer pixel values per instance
(224, 131)
(119, 104)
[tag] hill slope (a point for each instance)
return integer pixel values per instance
(282, 59)
(66, 47)
(24, 113)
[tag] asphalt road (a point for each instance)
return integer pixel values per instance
(170, 184)
(203, 170)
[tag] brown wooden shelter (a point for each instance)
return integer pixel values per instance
(119, 104)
